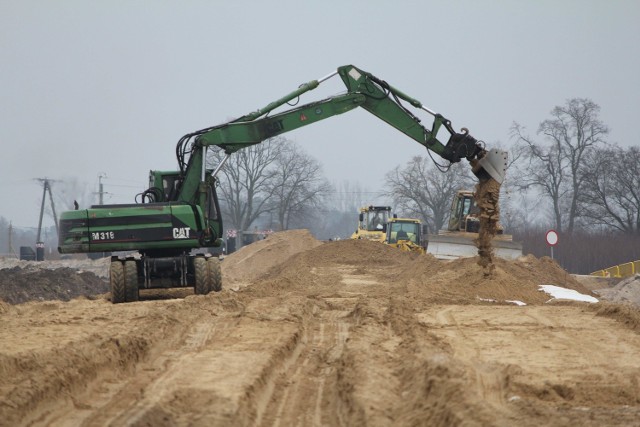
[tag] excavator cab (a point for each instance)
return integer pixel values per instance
(163, 186)
(461, 207)
(465, 214)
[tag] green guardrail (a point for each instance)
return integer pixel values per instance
(619, 271)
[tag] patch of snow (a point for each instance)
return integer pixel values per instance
(567, 294)
(509, 301)
(516, 302)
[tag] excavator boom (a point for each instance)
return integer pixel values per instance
(363, 90)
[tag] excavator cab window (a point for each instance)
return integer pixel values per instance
(170, 186)
(463, 205)
(466, 206)
(470, 206)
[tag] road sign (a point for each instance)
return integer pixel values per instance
(552, 240)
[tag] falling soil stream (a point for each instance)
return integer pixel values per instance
(487, 195)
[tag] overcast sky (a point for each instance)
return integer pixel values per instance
(110, 86)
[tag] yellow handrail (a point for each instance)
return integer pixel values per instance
(622, 270)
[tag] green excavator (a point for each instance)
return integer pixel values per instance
(179, 213)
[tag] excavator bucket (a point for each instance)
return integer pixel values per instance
(493, 164)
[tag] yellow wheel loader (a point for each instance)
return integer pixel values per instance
(376, 223)
(406, 234)
(372, 223)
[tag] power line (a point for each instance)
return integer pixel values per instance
(355, 192)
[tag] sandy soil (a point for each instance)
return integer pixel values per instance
(487, 195)
(341, 333)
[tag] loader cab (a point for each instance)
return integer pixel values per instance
(372, 223)
(409, 230)
(374, 218)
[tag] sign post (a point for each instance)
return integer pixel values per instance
(552, 240)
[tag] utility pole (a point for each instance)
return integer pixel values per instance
(10, 248)
(46, 187)
(101, 188)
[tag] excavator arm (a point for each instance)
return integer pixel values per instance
(363, 90)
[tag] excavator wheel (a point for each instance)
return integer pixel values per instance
(202, 276)
(130, 281)
(215, 274)
(116, 280)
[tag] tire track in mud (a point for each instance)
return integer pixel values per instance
(97, 344)
(544, 361)
(304, 385)
(290, 382)
(489, 378)
(304, 391)
(117, 397)
(137, 396)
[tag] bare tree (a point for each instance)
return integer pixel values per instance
(420, 190)
(557, 169)
(612, 190)
(244, 181)
(297, 187)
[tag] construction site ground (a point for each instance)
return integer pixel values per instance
(310, 333)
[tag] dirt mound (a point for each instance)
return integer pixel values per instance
(255, 259)
(627, 291)
(464, 280)
(291, 258)
(99, 267)
(424, 277)
(18, 285)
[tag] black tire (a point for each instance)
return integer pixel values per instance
(116, 280)
(130, 281)
(215, 274)
(202, 277)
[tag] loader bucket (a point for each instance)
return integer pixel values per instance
(492, 165)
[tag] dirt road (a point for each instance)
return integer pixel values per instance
(342, 333)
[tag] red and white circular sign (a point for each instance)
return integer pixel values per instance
(552, 237)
